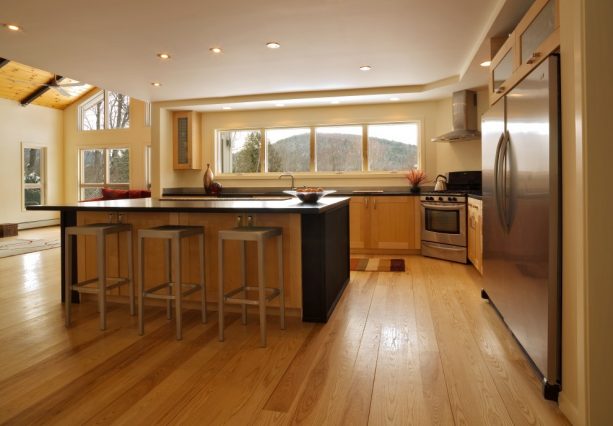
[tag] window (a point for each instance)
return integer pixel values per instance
(392, 146)
(103, 168)
(33, 175)
(240, 151)
(287, 150)
(105, 110)
(339, 148)
(385, 147)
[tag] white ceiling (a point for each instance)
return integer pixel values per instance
(113, 44)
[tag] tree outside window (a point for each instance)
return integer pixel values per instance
(33, 176)
(105, 110)
(103, 168)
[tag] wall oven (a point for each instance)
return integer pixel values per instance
(443, 229)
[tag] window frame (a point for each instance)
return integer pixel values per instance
(94, 99)
(43, 174)
(106, 183)
(364, 173)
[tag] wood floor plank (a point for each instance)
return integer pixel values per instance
(418, 347)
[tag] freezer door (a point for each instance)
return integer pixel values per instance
(492, 137)
(530, 177)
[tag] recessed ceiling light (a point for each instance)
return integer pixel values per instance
(273, 45)
(486, 63)
(226, 107)
(365, 68)
(156, 84)
(163, 55)
(394, 99)
(335, 102)
(215, 49)
(12, 27)
(279, 105)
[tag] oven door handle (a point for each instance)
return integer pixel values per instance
(446, 206)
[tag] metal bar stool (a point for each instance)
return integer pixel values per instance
(177, 289)
(265, 294)
(102, 281)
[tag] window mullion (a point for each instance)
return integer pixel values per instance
(263, 162)
(312, 153)
(364, 147)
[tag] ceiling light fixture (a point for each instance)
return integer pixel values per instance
(226, 107)
(12, 27)
(273, 45)
(279, 105)
(394, 99)
(215, 49)
(335, 102)
(156, 84)
(163, 55)
(365, 68)
(486, 63)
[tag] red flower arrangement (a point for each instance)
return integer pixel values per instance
(416, 176)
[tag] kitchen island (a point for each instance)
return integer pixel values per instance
(315, 243)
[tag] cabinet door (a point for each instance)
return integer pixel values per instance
(533, 31)
(186, 140)
(358, 222)
(479, 236)
(392, 222)
(472, 233)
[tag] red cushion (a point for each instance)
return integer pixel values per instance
(114, 194)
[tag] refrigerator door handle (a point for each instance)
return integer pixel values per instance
(498, 195)
(506, 176)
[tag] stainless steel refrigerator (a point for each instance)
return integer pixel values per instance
(521, 216)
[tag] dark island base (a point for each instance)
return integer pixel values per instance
(325, 260)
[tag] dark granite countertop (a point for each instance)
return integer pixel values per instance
(255, 192)
(290, 205)
(475, 195)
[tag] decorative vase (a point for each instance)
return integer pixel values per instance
(207, 179)
(415, 189)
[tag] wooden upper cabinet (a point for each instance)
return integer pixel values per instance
(186, 140)
(536, 36)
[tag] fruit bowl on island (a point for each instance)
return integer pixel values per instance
(309, 195)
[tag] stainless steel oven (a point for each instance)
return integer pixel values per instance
(443, 226)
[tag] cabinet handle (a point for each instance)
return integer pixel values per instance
(500, 89)
(366, 201)
(374, 203)
(534, 57)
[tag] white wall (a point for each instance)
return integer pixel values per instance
(38, 126)
(136, 138)
(435, 116)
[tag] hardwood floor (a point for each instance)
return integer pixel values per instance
(419, 347)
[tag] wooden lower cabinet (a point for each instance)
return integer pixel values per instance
(384, 224)
(475, 233)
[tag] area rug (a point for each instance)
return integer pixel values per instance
(22, 246)
(377, 265)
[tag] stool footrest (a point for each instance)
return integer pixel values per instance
(273, 292)
(151, 293)
(81, 287)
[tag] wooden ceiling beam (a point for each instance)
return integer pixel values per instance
(3, 62)
(40, 91)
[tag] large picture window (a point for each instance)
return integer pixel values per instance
(105, 110)
(103, 168)
(33, 166)
(356, 148)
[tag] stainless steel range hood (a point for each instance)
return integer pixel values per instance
(464, 112)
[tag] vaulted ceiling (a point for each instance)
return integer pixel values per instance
(28, 85)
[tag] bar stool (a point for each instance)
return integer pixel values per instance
(177, 289)
(265, 294)
(100, 231)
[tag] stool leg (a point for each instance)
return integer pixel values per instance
(220, 289)
(168, 277)
(141, 285)
(241, 260)
(262, 294)
(102, 279)
(281, 286)
(130, 275)
(68, 277)
(177, 285)
(202, 282)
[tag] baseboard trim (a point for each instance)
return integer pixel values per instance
(570, 410)
(38, 224)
